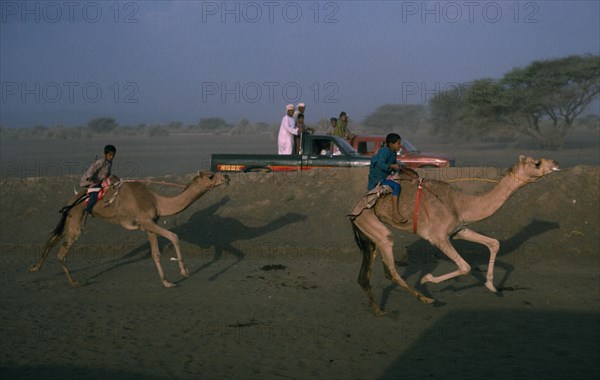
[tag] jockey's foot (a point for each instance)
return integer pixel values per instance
(399, 218)
(85, 216)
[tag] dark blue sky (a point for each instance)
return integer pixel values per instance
(157, 61)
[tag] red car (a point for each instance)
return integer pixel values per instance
(408, 154)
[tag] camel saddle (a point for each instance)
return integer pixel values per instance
(368, 200)
(106, 183)
(370, 197)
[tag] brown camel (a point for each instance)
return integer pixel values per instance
(133, 206)
(444, 212)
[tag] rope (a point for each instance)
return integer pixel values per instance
(417, 202)
(154, 182)
(473, 179)
(117, 187)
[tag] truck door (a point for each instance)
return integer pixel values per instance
(318, 152)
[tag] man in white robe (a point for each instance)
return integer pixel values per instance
(287, 131)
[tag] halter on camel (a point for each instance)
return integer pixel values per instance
(415, 176)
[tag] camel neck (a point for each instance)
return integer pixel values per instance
(480, 207)
(173, 205)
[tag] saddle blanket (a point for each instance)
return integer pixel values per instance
(101, 191)
(368, 200)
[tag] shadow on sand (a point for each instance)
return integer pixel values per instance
(207, 230)
(68, 372)
(500, 344)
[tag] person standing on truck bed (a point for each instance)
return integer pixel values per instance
(341, 127)
(301, 107)
(333, 122)
(297, 139)
(287, 131)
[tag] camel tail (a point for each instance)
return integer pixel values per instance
(60, 227)
(365, 244)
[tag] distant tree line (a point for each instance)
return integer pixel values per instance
(541, 103)
(107, 125)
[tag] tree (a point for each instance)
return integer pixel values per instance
(550, 95)
(392, 117)
(467, 112)
(540, 101)
(213, 123)
(102, 124)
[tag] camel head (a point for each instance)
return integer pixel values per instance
(528, 169)
(209, 180)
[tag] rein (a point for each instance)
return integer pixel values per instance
(415, 176)
(421, 186)
(154, 182)
(417, 201)
(419, 195)
(117, 186)
(472, 179)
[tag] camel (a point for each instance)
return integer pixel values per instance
(133, 206)
(444, 213)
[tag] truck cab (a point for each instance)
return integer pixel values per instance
(317, 151)
(408, 154)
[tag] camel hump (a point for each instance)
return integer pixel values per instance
(113, 180)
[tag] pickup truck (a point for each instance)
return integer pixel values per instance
(318, 151)
(408, 154)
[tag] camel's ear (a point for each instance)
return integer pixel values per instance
(522, 159)
(197, 174)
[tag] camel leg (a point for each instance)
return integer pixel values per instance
(492, 244)
(369, 253)
(463, 267)
(153, 239)
(72, 234)
(57, 235)
(62, 254)
(387, 255)
(173, 238)
(47, 248)
(379, 234)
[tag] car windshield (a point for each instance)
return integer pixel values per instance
(408, 146)
(345, 146)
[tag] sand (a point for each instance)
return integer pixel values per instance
(273, 291)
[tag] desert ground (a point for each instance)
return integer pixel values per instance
(273, 262)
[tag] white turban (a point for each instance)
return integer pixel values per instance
(301, 105)
(289, 107)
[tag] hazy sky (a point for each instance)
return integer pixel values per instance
(65, 62)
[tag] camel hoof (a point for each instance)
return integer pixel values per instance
(168, 284)
(34, 268)
(76, 284)
(184, 273)
(427, 278)
(490, 286)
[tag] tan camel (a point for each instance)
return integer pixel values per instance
(444, 213)
(133, 206)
